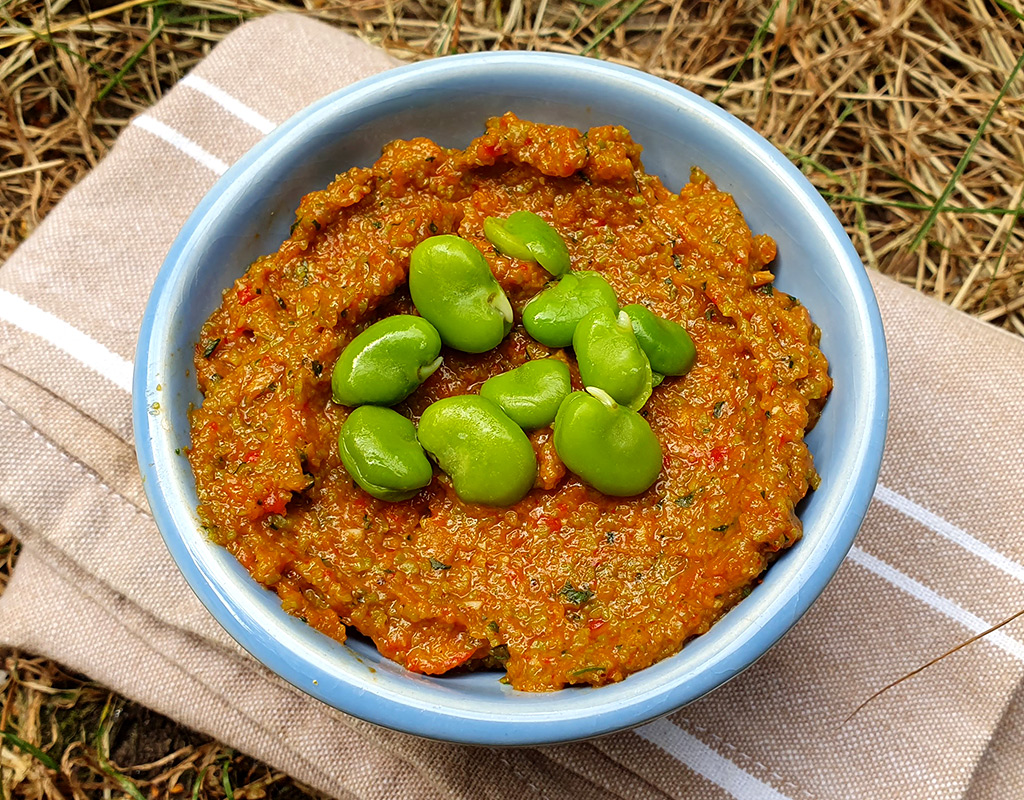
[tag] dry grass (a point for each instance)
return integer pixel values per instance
(67, 737)
(906, 115)
(877, 101)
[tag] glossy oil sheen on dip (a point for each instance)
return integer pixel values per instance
(567, 586)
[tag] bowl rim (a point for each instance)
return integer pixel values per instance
(625, 708)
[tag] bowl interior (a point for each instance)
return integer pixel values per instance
(248, 213)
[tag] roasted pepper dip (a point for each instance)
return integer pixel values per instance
(568, 586)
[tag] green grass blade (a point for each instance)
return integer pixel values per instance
(1007, 7)
(44, 758)
(759, 35)
(51, 42)
(803, 160)
(965, 159)
(99, 744)
(115, 81)
(199, 783)
(911, 206)
(225, 779)
(625, 15)
(191, 19)
(126, 784)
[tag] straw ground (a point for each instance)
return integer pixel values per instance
(906, 115)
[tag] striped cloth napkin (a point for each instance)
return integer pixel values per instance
(940, 557)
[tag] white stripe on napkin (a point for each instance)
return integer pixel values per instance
(703, 760)
(936, 601)
(945, 529)
(78, 345)
(232, 105)
(181, 142)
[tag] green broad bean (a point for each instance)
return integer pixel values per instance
(487, 456)
(610, 358)
(526, 236)
(453, 287)
(379, 449)
(530, 394)
(551, 316)
(609, 446)
(666, 343)
(386, 362)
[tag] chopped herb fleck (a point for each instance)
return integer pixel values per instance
(677, 262)
(767, 414)
(435, 564)
(210, 347)
(720, 528)
(492, 626)
(280, 302)
(500, 653)
(610, 537)
(433, 228)
(574, 596)
(719, 407)
(685, 502)
(318, 368)
(585, 670)
(766, 289)
(277, 522)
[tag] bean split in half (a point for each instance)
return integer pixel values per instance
(610, 357)
(453, 287)
(530, 394)
(551, 316)
(386, 362)
(485, 453)
(379, 449)
(666, 343)
(609, 446)
(526, 236)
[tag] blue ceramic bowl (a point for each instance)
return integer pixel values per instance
(249, 211)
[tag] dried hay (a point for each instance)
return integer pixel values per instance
(906, 115)
(877, 102)
(65, 737)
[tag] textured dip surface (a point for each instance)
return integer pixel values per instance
(568, 586)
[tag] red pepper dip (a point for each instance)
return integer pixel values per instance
(568, 586)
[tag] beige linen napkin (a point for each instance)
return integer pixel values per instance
(940, 557)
